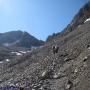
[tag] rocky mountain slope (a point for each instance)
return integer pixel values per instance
(78, 20)
(66, 69)
(19, 39)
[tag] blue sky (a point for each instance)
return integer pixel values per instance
(38, 17)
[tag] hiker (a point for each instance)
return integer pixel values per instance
(55, 49)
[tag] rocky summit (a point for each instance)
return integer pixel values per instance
(19, 39)
(63, 63)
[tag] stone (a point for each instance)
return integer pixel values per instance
(47, 74)
(67, 59)
(41, 88)
(76, 70)
(55, 76)
(85, 58)
(33, 89)
(21, 88)
(68, 85)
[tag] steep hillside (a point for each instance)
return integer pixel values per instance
(42, 69)
(78, 20)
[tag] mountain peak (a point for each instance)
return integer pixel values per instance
(19, 38)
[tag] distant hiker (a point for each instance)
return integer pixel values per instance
(55, 49)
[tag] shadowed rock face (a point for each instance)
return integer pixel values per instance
(40, 69)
